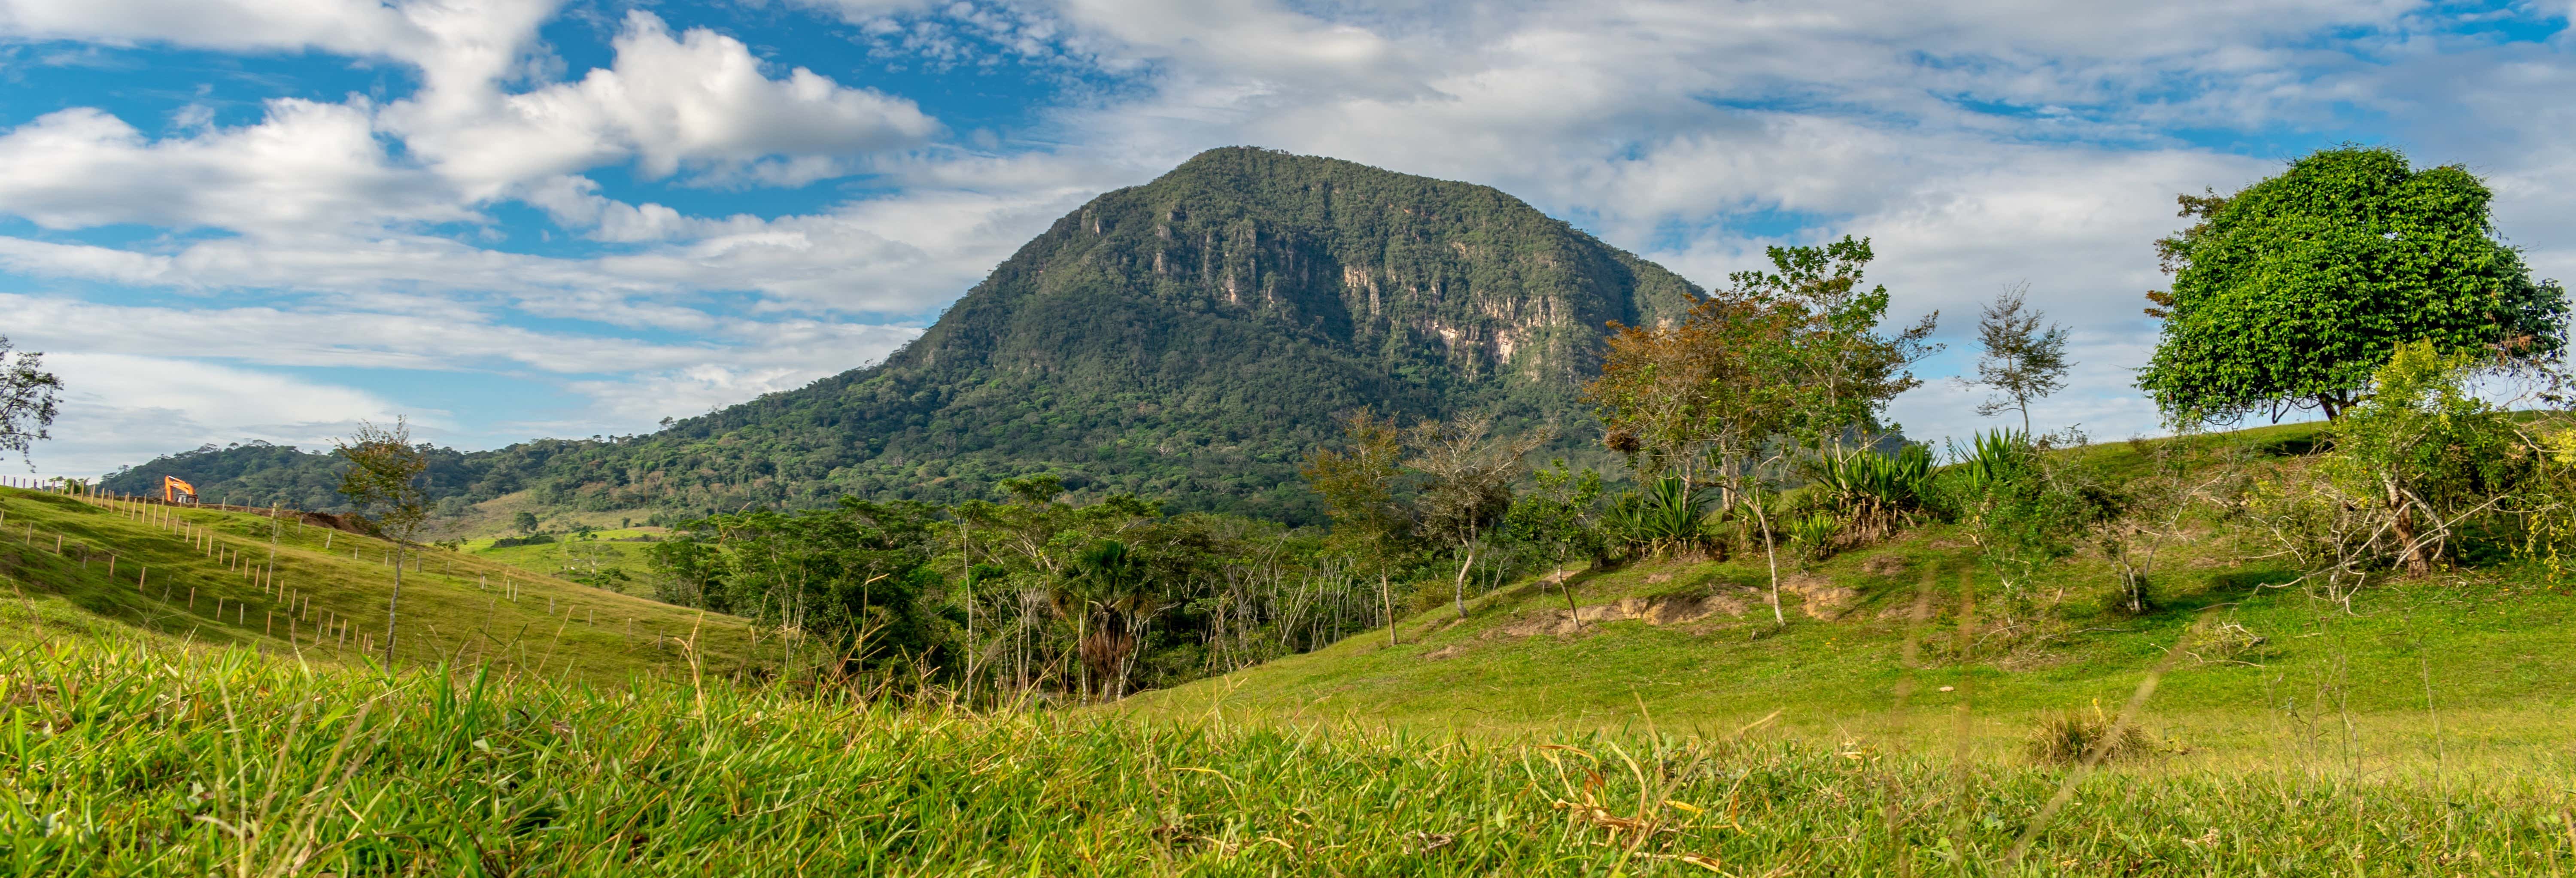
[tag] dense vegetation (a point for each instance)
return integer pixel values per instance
(1189, 339)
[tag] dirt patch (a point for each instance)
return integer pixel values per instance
(1659, 612)
(349, 523)
(1885, 565)
(1447, 652)
(1653, 578)
(1819, 596)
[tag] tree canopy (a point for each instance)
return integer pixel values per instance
(2291, 292)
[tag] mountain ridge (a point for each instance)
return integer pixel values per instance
(1186, 339)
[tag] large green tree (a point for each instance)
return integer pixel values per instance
(2289, 293)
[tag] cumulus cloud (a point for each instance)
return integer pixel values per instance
(698, 100)
(307, 166)
(349, 27)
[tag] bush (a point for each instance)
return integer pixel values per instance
(2229, 642)
(2064, 738)
(1875, 493)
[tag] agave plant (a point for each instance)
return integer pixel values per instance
(1812, 536)
(1995, 457)
(1874, 492)
(1668, 516)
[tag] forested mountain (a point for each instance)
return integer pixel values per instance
(1186, 340)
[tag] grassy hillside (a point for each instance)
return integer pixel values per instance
(133, 759)
(609, 559)
(2463, 665)
(207, 576)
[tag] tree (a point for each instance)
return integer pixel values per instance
(525, 522)
(1555, 519)
(1849, 369)
(26, 400)
(382, 479)
(2289, 293)
(1470, 473)
(1708, 389)
(2021, 361)
(1358, 487)
(1721, 385)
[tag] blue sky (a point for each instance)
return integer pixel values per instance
(227, 220)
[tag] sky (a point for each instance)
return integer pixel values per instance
(235, 220)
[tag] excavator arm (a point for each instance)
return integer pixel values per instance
(176, 490)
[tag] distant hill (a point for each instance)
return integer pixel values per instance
(1189, 339)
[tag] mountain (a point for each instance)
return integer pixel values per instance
(1189, 339)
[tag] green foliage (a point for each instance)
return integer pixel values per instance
(1875, 493)
(1559, 517)
(27, 399)
(2023, 511)
(1847, 368)
(1811, 536)
(2425, 456)
(857, 576)
(1666, 516)
(1190, 339)
(2291, 292)
(2066, 737)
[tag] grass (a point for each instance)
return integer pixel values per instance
(126, 757)
(205, 576)
(2497, 654)
(614, 560)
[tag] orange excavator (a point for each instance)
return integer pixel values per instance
(175, 490)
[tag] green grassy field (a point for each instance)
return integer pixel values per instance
(207, 576)
(121, 757)
(2460, 668)
(607, 559)
(2424, 727)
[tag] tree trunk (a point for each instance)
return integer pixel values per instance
(1386, 600)
(1458, 588)
(2414, 558)
(1771, 554)
(391, 608)
(1567, 588)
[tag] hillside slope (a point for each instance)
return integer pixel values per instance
(1187, 339)
(207, 576)
(2459, 663)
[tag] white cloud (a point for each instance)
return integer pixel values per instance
(698, 101)
(350, 27)
(306, 166)
(120, 409)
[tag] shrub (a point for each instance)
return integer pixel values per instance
(1812, 536)
(2063, 738)
(1875, 493)
(1667, 517)
(2229, 642)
